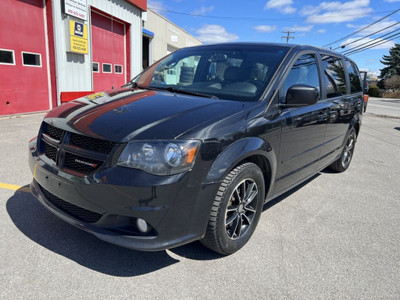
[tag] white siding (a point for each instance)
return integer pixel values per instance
(74, 71)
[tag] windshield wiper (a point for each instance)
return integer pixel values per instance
(134, 85)
(171, 89)
(179, 91)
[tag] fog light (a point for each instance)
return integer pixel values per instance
(142, 225)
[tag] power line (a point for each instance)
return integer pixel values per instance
(223, 17)
(373, 45)
(361, 29)
(369, 42)
(367, 36)
(235, 17)
(376, 44)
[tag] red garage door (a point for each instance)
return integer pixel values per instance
(109, 52)
(23, 57)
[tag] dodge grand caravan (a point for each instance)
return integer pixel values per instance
(194, 146)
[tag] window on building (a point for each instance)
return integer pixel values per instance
(117, 69)
(354, 75)
(7, 57)
(95, 67)
(335, 79)
(31, 59)
(304, 71)
(107, 68)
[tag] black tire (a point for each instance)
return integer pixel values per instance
(236, 209)
(343, 162)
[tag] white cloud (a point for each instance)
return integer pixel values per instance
(284, 6)
(202, 10)
(265, 28)
(215, 34)
(336, 12)
(321, 31)
(387, 45)
(156, 5)
(297, 28)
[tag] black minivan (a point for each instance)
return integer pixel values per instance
(194, 146)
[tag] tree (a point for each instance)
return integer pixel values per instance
(392, 63)
(393, 83)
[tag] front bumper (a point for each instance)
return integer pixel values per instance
(107, 203)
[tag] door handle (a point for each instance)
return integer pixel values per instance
(322, 116)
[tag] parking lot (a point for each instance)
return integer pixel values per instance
(335, 237)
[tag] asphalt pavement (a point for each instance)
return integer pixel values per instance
(384, 107)
(335, 237)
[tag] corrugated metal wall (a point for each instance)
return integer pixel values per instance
(74, 71)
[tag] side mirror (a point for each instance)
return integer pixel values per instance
(301, 95)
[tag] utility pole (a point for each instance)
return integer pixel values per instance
(288, 37)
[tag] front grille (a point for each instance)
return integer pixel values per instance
(54, 132)
(87, 154)
(81, 164)
(77, 212)
(50, 151)
(91, 143)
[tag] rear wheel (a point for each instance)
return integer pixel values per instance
(236, 209)
(343, 162)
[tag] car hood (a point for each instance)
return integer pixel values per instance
(121, 115)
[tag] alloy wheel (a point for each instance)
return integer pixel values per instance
(241, 209)
(348, 150)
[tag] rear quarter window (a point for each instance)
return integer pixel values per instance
(354, 76)
(335, 76)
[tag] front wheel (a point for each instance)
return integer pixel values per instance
(236, 209)
(343, 162)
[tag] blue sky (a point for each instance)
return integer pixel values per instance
(315, 23)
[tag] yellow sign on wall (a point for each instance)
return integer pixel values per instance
(78, 37)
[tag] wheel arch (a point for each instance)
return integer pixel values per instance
(356, 123)
(252, 149)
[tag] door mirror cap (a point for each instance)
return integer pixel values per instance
(301, 95)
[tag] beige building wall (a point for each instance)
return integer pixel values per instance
(167, 36)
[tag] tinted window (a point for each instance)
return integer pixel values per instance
(6, 57)
(304, 71)
(354, 75)
(239, 72)
(335, 79)
(117, 69)
(31, 59)
(107, 68)
(95, 66)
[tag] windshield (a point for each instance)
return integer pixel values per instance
(240, 72)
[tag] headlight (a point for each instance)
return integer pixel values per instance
(160, 157)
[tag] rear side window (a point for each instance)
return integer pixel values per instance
(335, 78)
(304, 71)
(354, 75)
